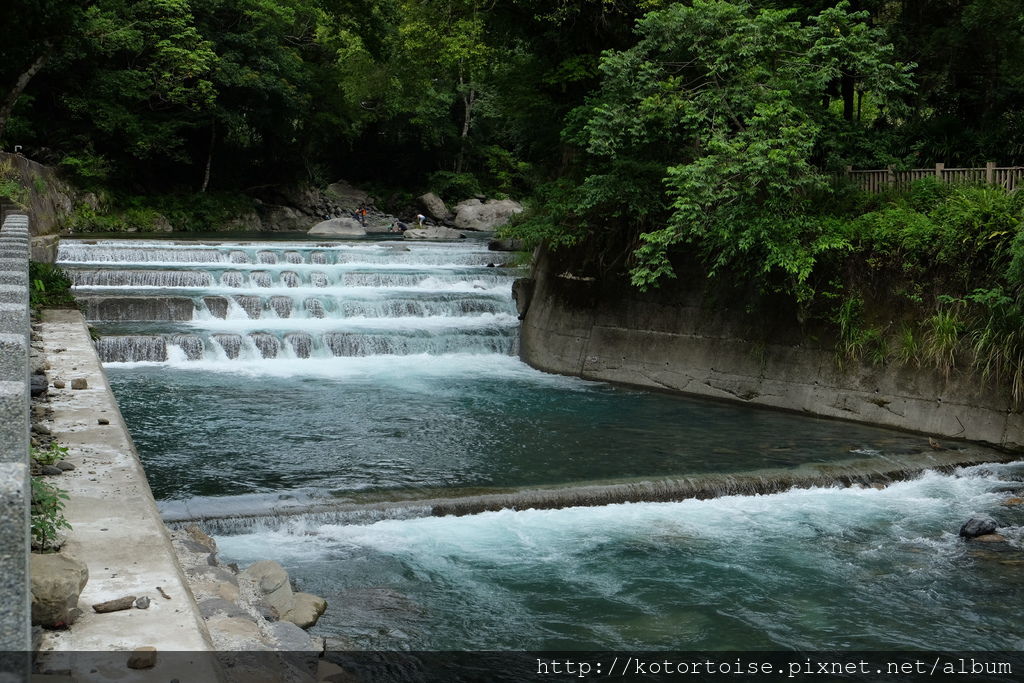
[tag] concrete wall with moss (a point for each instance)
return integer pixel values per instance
(577, 324)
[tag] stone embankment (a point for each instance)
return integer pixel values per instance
(576, 324)
(14, 435)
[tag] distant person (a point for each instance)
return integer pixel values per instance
(420, 218)
(362, 216)
(402, 227)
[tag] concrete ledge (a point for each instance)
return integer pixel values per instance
(14, 318)
(14, 421)
(117, 531)
(14, 294)
(13, 356)
(15, 487)
(14, 552)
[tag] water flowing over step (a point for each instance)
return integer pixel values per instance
(225, 516)
(170, 302)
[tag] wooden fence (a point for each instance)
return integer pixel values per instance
(880, 180)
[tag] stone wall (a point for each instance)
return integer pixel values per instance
(14, 434)
(577, 324)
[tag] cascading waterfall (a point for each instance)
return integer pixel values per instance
(232, 298)
(365, 421)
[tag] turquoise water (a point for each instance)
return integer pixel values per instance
(255, 376)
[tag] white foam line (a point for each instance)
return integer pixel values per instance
(435, 324)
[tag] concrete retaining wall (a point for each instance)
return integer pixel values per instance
(15, 491)
(578, 325)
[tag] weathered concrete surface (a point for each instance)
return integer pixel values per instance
(15, 491)
(117, 530)
(574, 327)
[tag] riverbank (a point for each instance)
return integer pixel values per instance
(116, 529)
(673, 340)
(192, 604)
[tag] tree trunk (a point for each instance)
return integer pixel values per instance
(19, 86)
(847, 87)
(209, 158)
(468, 100)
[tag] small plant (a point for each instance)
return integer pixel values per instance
(50, 287)
(47, 513)
(54, 454)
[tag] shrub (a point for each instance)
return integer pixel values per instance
(47, 513)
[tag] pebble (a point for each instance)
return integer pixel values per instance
(79, 383)
(142, 658)
(64, 466)
(50, 469)
(142, 603)
(40, 428)
(58, 384)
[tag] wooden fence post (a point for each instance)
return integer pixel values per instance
(940, 171)
(890, 176)
(990, 173)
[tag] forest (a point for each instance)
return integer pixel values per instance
(636, 131)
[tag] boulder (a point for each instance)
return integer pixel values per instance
(978, 526)
(433, 233)
(506, 245)
(473, 214)
(347, 197)
(338, 227)
(248, 221)
(306, 610)
(272, 581)
(433, 206)
(283, 219)
(57, 581)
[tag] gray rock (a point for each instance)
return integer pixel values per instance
(283, 219)
(64, 466)
(50, 469)
(978, 526)
(216, 606)
(40, 428)
(79, 383)
(433, 233)
(102, 421)
(306, 610)
(506, 245)
(58, 384)
(347, 197)
(338, 227)
(57, 581)
(142, 658)
(291, 638)
(473, 214)
(142, 603)
(272, 581)
(433, 206)
(38, 385)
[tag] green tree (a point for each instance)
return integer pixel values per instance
(727, 105)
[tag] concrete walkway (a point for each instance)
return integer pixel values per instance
(117, 532)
